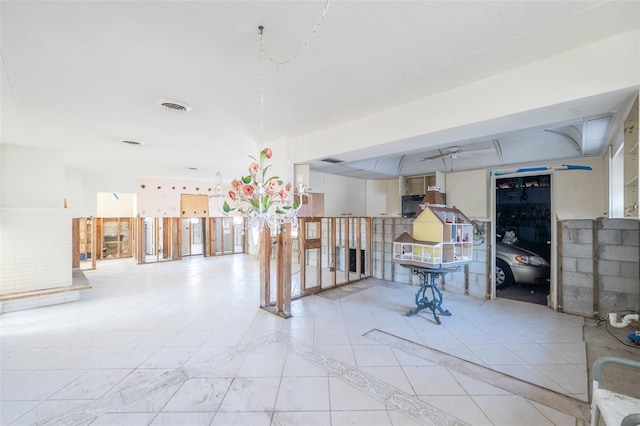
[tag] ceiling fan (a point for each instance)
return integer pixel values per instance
(458, 151)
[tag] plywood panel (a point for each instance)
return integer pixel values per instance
(194, 205)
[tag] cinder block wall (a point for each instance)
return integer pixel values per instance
(599, 266)
(385, 230)
(388, 229)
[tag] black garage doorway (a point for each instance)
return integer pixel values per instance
(523, 238)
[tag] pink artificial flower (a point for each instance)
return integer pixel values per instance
(236, 184)
(233, 195)
(267, 153)
(288, 187)
(272, 186)
(283, 193)
(253, 168)
(248, 190)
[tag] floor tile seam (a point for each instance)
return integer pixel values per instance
(151, 386)
(391, 397)
(560, 385)
(558, 401)
(486, 362)
(488, 416)
(474, 401)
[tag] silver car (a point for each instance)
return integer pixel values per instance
(517, 265)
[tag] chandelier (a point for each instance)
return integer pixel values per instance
(263, 198)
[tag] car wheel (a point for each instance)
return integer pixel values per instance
(504, 276)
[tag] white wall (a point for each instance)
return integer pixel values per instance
(580, 194)
(598, 68)
(161, 197)
(31, 177)
(468, 192)
(77, 203)
(112, 204)
(35, 229)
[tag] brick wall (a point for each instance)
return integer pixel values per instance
(35, 249)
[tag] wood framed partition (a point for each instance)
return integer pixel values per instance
(310, 238)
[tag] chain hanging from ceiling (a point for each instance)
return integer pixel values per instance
(264, 54)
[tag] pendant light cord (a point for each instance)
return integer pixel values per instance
(264, 54)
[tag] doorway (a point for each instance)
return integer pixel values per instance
(192, 236)
(523, 238)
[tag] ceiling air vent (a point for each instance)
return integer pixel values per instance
(173, 105)
(332, 160)
(136, 143)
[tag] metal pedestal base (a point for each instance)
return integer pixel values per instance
(429, 284)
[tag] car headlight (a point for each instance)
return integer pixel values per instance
(530, 260)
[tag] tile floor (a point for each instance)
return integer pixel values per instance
(183, 343)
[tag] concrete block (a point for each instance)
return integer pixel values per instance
(629, 224)
(577, 223)
(477, 286)
(609, 236)
(480, 256)
(630, 270)
(572, 235)
(630, 237)
(577, 279)
(609, 267)
(454, 280)
(478, 268)
(616, 302)
(620, 285)
(621, 253)
(577, 300)
(584, 251)
(585, 265)
(585, 236)
(569, 264)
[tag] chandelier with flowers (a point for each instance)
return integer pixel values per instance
(263, 199)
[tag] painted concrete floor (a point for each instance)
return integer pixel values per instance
(183, 343)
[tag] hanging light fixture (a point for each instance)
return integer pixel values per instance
(218, 195)
(260, 197)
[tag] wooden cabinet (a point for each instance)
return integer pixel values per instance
(344, 196)
(417, 185)
(376, 198)
(442, 237)
(394, 199)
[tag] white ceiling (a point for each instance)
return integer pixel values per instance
(81, 76)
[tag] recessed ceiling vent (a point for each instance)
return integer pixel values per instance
(173, 105)
(135, 143)
(332, 160)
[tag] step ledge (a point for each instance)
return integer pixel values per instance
(46, 292)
